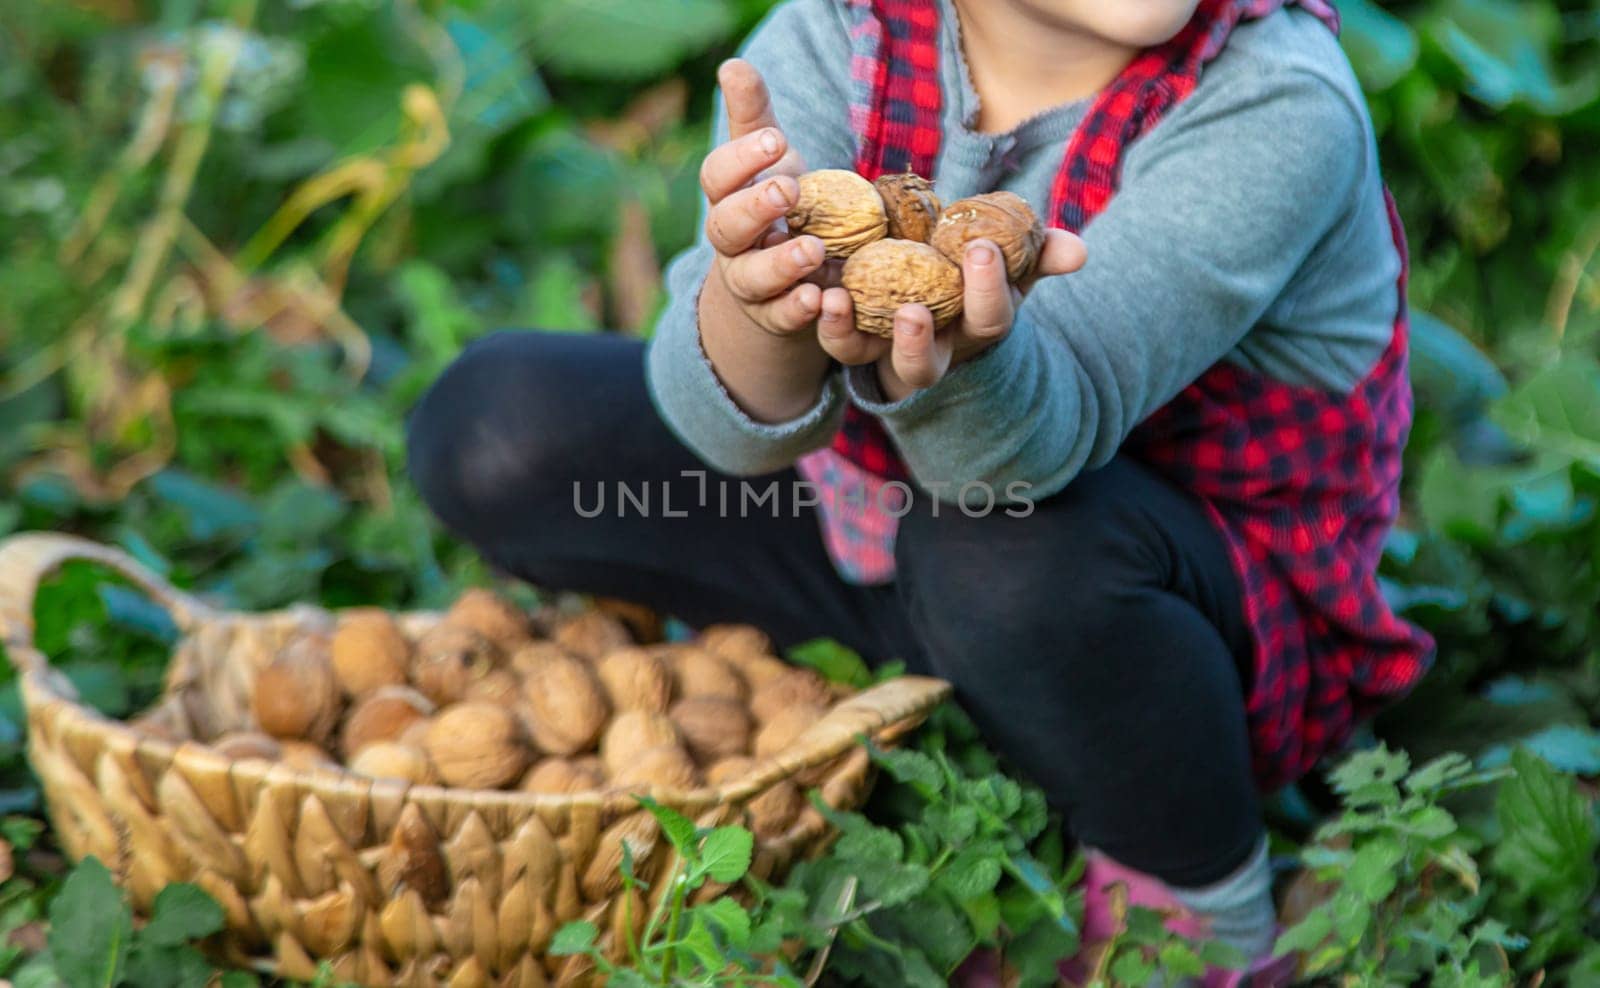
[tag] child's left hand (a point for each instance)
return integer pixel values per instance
(918, 357)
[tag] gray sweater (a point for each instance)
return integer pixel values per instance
(1249, 227)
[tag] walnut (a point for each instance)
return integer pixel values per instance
(700, 673)
(665, 766)
(785, 727)
(383, 715)
(591, 634)
(240, 745)
(841, 209)
(631, 733)
(297, 695)
(448, 660)
(496, 686)
(644, 623)
(883, 276)
(1003, 217)
(305, 756)
(477, 745)
(635, 680)
(393, 760)
(369, 651)
(795, 687)
(567, 708)
(747, 649)
(491, 616)
(911, 204)
(559, 776)
(712, 727)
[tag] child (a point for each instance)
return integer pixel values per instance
(1133, 516)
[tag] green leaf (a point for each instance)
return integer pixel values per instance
(678, 828)
(1133, 968)
(913, 768)
(90, 928)
(700, 943)
(1373, 871)
(182, 913)
(729, 917)
(834, 661)
(211, 511)
(574, 938)
(1179, 960)
(1309, 933)
(625, 38)
(726, 853)
(1549, 833)
(975, 871)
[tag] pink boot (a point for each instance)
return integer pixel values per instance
(985, 969)
(1100, 920)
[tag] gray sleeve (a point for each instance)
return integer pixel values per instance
(1219, 207)
(803, 51)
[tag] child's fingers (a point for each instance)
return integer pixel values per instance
(732, 166)
(794, 311)
(1063, 253)
(837, 333)
(745, 95)
(987, 308)
(757, 275)
(740, 221)
(920, 357)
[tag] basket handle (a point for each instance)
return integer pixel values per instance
(26, 559)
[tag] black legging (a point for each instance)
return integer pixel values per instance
(1097, 642)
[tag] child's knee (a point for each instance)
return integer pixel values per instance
(471, 440)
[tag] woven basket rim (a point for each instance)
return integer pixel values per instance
(882, 712)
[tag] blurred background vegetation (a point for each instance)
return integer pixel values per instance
(238, 237)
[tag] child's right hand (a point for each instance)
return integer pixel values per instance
(757, 313)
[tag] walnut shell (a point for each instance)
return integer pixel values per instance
(369, 651)
(297, 695)
(305, 756)
(841, 209)
(477, 745)
(591, 634)
(912, 206)
(500, 686)
(883, 276)
(782, 729)
(632, 733)
(567, 708)
(665, 766)
(1003, 217)
(393, 760)
(712, 727)
(559, 776)
(385, 714)
(734, 640)
(240, 745)
(635, 679)
(696, 672)
(645, 624)
(795, 687)
(491, 616)
(448, 660)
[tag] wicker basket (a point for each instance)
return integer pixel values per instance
(394, 884)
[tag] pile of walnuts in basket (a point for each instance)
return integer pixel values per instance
(490, 698)
(902, 246)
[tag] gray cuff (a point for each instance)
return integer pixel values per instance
(694, 403)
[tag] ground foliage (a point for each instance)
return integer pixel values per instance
(237, 237)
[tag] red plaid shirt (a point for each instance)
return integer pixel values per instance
(1301, 483)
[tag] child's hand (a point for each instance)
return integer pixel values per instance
(756, 309)
(918, 357)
